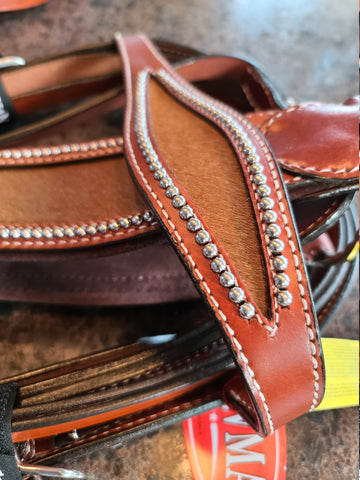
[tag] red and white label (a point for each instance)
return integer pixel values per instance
(221, 446)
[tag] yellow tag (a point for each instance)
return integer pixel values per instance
(342, 373)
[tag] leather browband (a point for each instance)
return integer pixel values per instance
(276, 346)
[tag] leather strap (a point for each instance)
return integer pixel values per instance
(12, 5)
(280, 326)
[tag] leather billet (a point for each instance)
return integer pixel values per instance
(255, 339)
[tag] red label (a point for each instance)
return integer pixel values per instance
(221, 446)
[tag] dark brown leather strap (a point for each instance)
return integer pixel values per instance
(279, 325)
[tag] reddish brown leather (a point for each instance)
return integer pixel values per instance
(307, 138)
(279, 355)
(11, 5)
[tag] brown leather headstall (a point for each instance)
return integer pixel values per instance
(206, 167)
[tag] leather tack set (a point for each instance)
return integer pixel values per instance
(215, 195)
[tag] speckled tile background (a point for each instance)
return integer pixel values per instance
(309, 48)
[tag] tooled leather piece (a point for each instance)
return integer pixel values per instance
(276, 334)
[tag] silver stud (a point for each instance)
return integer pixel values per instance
(256, 168)
(263, 190)
(237, 295)
(160, 173)
(282, 280)
(194, 225)
(125, 223)
(114, 226)
(280, 263)
(6, 154)
(266, 203)
(273, 230)
(218, 265)
(4, 232)
(172, 191)
(227, 279)
(136, 220)
(259, 179)
(69, 231)
(210, 250)
(186, 212)
(247, 311)
(165, 182)
(36, 232)
(285, 298)
(154, 166)
(254, 158)
(270, 216)
(276, 246)
(58, 232)
(91, 230)
(15, 233)
(178, 201)
(47, 232)
(80, 231)
(26, 233)
(247, 149)
(27, 153)
(202, 237)
(148, 216)
(16, 154)
(102, 227)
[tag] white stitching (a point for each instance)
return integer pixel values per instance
(216, 304)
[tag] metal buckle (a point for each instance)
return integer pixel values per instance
(11, 61)
(37, 472)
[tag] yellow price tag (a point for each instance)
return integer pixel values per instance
(342, 373)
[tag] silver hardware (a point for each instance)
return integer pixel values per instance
(194, 224)
(282, 280)
(285, 298)
(172, 191)
(237, 295)
(263, 190)
(270, 216)
(227, 279)
(11, 61)
(210, 250)
(178, 201)
(273, 230)
(186, 212)
(276, 246)
(40, 471)
(202, 237)
(247, 311)
(267, 203)
(280, 263)
(218, 265)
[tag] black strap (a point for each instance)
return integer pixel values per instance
(8, 115)
(8, 466)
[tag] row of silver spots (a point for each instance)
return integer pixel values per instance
(61, 149)
(71, 231)
(266, 203)
(178, 201)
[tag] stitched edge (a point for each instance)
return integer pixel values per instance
(271, 330)
(114, 428)
(266, 126)
(312, 339)
(319, 220)
(216, 305)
